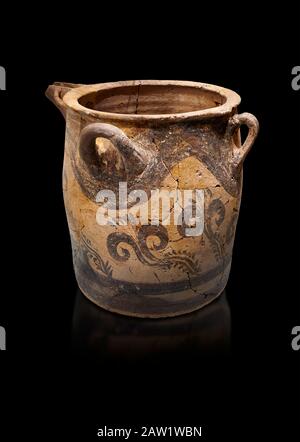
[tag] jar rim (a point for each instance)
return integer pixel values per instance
(230, 101)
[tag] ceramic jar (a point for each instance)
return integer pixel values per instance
(152, 136)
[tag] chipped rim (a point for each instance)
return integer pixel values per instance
(232, 100)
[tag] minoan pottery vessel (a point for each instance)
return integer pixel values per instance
(150, 137)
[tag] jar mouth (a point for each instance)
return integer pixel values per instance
(158, 100)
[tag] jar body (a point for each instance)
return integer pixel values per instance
(154, 270)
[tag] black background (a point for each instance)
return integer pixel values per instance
(252, 389)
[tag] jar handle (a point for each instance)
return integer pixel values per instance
(235, 122)
(55, 93)
(135, 157)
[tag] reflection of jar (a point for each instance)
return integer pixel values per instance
(153, 136)
(101, 335)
